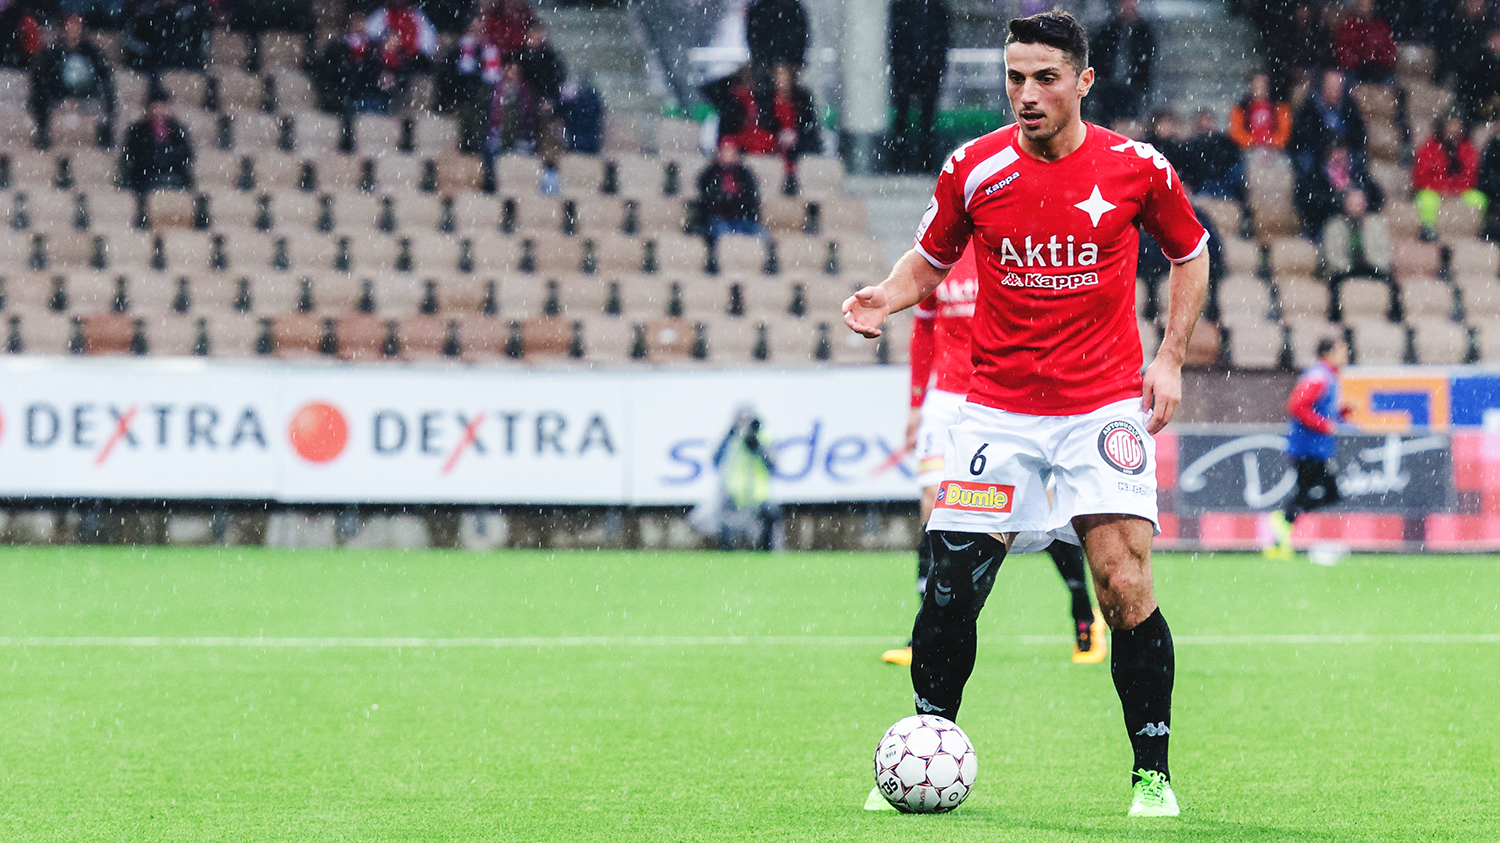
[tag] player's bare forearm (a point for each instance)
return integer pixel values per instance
(911, 280)
(1161, 388)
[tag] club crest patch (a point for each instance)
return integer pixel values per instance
(1121, 446)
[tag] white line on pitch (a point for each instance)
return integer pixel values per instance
(699, 641)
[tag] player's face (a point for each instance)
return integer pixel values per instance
(1044, 90)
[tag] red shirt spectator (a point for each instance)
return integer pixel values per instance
(1447, 162)
(1257, 120)
(506, 22)
(1364, 45)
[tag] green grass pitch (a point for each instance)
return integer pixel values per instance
(536, 696)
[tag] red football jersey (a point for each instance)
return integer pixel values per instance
(940, 354)
(1055, 244)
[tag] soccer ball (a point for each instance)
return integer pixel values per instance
(925, 765)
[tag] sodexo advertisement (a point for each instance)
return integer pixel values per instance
(224, 430)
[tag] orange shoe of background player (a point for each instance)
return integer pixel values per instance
(1097, 647)
(900, 655)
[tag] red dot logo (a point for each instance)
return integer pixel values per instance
(1121, 447)
(318, 432)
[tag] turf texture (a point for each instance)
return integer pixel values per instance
(246, 694)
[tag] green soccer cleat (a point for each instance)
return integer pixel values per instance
(1153, 796)
(876, 801)
(1282, 530)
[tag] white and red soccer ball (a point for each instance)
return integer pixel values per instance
(925, 765)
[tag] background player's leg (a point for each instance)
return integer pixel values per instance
(1088, 630)
(902, 655)
(944, 637)
(1143, 661)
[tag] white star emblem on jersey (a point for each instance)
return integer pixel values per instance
(1095, 206)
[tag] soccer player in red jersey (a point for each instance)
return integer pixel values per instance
(941, 367)
(1052, 204)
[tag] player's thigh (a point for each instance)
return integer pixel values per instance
(1106, 464)
(1118, 550)
(993, 477)
(940, 411)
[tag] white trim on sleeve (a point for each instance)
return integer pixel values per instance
(986, 168)
(930, 259)
(1202, 244)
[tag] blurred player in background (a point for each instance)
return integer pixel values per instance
(1058, 399)
(1314, 412)
(941, 365)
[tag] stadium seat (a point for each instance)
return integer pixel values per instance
(185, 87)
(521, 296)
(1377, 103)
(1364, 299)
(402, 174)
(1414, 63)
(425, 338)
(1268, 174)
(484, 339)
(398, 294)
(361, 337)
(109, 209)
(154, 293)
(467, 294)
(1415, 258)
(1150, 338)
(295, 94)
(547, 337)
(1394, 179)
(435, 135)
(240, 92)
(1303, 334)
(174, 335)
(170, 209)
(1487, 336)
(580, 174)
(574, 296)
(1293, 256)
(1243, 299)
(1457, 220)
(282, 51)
(460, 173)
(228, 50)
(233, 335)
(108, 334)
(820, 176)
(1379, 343)
(660, 215)
(783, 215)
(476, 212)
(599, 215)
(1475, 258)
(538, 214)
(317, 135)
(272, 294)
(615, 253)
(669, 340)
(740, 254)
(638, 176)
(299, 335)
(87, 292)
(1426, 298)
(678, 138)
(801, 253)
(1440, 342)
(376, 135)
(1382, 141)
(339, 173)
(254, 132)
(68, 249)
(1224, 214)
(233, 209)
(93, 169)
(40, 332)
(679, 253)
(1303, 297)
(1255, 344)
(276, 171)
(518, 175)
(31, 170)
(860, 258)
(125, 249)
(847, 348)
(607, 340)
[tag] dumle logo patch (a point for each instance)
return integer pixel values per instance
(975, 497)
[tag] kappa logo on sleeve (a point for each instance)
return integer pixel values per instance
(975, 497)
(1121, 446)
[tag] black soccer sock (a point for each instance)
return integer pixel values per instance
(1069, 561)
(1142, 664)
(924, 562)
(945, 637)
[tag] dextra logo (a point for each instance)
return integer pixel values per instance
(105, 429)
(852, 458)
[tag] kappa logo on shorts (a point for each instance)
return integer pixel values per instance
(975, 497)
(1121, 446)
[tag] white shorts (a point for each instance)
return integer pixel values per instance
(1001, 465)
(940, 411)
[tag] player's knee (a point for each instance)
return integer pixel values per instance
(963, 565)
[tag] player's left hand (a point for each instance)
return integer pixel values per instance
(1161, 392)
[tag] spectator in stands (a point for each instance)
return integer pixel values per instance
(1317, 194)
(1461, 40)
(1447, 167)
(1124, 59)
(581, 110)
(1259, 121)
(1355, 243)
(1215, 166)
(157, 153)
(20, 34)
(544, 73)
(1165, 132)
(1328, 117)
(465, 82)
(409, 41)
(728, 194)
(512, 123)
(505, 23)
(1304, 45)
(167, 35)
(919, 35)
(259, 16)
(776, 31)
(73, 68)
(1364, 46)
(1489, 185)
(353, 78)
(797, 130)
(742, 117)
(1477, 82)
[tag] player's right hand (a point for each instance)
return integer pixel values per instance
(913, 425)
(866, 310)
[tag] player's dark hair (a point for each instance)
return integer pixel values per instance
(1055, 29)
(1325, 346)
